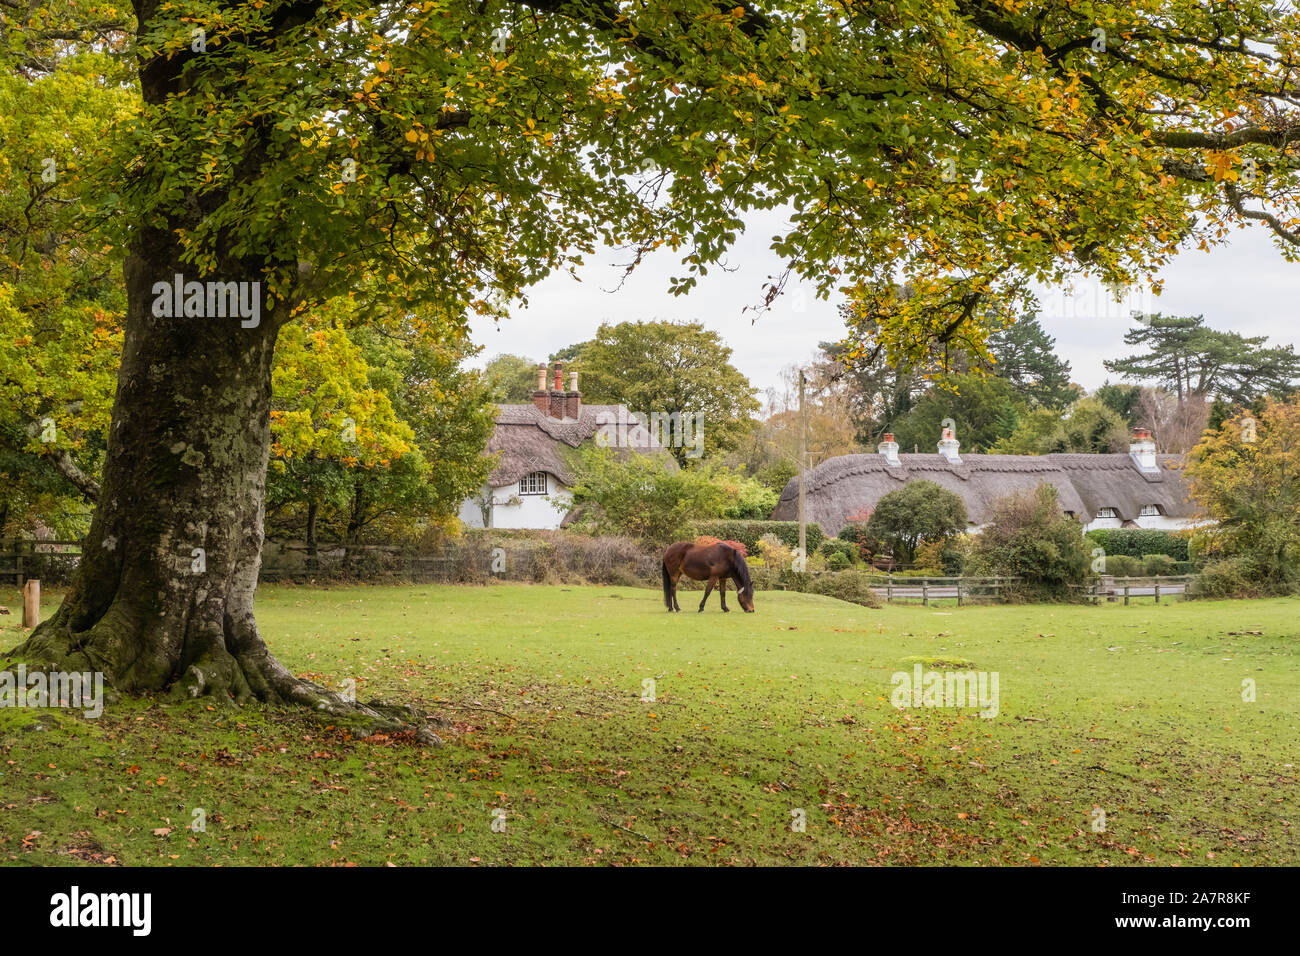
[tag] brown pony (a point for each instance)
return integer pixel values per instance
(714, 562)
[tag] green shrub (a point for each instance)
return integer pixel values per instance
(774, 552)
(639, 496)
(1137, 542)
(833, 546)
(856, 534)
(1226, 578)
(839, 561)
(851, 586)
(918, 512)
(748, 498)
(749, 533)
(943, 558)
(954, 555)
(1153, 564)
(1123, 566)
(1027, 536)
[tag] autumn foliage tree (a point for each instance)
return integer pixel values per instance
(1246, 476)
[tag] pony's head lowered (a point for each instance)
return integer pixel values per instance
(744, 586)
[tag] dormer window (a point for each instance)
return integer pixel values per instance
(533, 484)
(1149, 511)
(1106, 513)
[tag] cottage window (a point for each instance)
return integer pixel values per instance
(1149, 511)
(1106, 513)
(533, 484)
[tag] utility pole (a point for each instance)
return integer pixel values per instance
(803, 464)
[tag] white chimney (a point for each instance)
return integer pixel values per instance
(1143, 449)
(948, 446)
(889, 448)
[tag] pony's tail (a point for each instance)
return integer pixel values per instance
(668, 585)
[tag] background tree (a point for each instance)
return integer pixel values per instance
(918, 512)
(1246, 475)
(985, 409)
(1087, 427)
(1175, 426)
(449, 411)
(1123, 400)
(771, 451)
(512, 378)
(1197, 363)
(879, 392)
(671, 367)
(60, 301)
(1025, 355)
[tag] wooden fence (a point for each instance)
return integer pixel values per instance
(55, 560)
(1112, 588)
(973, 589)
(507, 559)
(964, 589)
(23, 559)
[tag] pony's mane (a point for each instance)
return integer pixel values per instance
(742, 571)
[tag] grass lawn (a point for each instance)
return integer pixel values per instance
(1137, 711)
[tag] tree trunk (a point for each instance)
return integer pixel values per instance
(163, 597)
(352, 534)
(313, 560)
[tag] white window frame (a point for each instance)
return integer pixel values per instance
(1150, 511)
(529, 483)
(1107, 513)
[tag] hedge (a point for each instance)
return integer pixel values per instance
(1139, 542)
(749, 533)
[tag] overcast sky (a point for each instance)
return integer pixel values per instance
(1245, 287)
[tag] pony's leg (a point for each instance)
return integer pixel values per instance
(676, 578)
(708, 589)
(722, 593)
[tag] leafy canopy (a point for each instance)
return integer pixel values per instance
(459, 150)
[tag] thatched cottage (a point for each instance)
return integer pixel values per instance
(1140, 489)
(529, 487)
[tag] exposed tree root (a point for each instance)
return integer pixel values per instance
(212, 672)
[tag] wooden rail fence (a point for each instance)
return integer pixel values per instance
(20, 560)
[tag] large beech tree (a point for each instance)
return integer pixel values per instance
(450, 153)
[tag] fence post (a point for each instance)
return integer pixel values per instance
(889, 588)
(925, 595)
(18, 563)
(1157, 590)
(32, 603)
(1126, 595)
(959, 592)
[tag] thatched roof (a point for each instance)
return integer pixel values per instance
(842, 486)
(530, 440)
